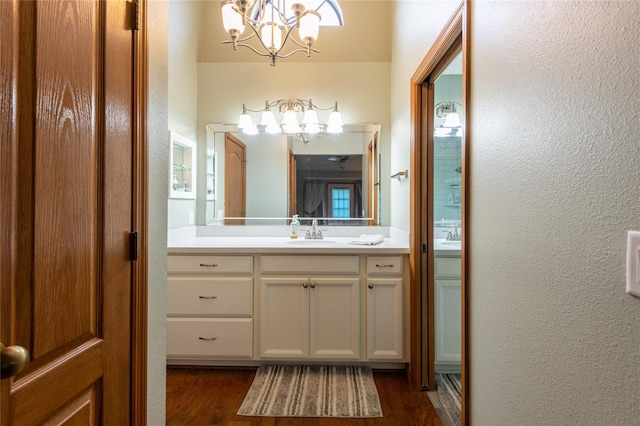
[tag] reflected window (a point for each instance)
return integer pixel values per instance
(329, 10)
(340, 201)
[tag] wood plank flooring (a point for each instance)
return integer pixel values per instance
(208, 396)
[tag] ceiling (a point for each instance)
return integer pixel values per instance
(364, 37)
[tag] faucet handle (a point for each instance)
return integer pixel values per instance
(319, 234)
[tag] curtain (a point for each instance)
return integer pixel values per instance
(313, 198)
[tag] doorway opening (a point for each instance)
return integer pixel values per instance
(439, 227)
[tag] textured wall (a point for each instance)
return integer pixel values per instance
(416, 25)
(184, 24)
(158, 192)
(555, 169)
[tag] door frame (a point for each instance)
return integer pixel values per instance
(456, 33)
(140, 213)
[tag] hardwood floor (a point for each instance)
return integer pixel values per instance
(206, 397)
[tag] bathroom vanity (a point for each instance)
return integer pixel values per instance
(448, 320)
(249, 301)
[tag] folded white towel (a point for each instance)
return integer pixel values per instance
(368, 239)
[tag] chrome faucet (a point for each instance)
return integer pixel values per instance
(455, 236)
(314, 233)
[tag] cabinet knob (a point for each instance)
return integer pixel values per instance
(370, 285)
(305, 285)
(312, 285)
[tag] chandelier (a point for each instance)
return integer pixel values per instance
(305, 131)
(268, 22)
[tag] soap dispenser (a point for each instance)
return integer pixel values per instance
(294, 227)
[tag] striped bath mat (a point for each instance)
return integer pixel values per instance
(312, 391)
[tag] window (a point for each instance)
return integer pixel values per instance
(340, 202)
(329, 10)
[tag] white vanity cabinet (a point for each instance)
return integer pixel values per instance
(447, 314)
(385, 331)
(310, 307)
(210, 307)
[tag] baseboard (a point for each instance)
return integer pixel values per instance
(448, 368)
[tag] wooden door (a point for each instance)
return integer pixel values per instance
(67, 209)
(235, 179)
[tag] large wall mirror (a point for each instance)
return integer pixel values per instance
(266, 178)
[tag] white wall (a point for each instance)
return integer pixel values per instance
(158, 192)
(417, 25)
(555, 172)
(184, 23)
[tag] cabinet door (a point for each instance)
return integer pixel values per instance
(448, 322)
(384, 318)
(284, 317)
(335, 318)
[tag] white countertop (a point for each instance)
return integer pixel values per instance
(282, 245)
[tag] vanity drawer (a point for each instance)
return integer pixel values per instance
(210, 264)
(447, 267)
(310, 264)
(210, 296)
(384, 265)
(216, 337)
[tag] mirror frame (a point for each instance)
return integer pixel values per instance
(453, 38)
(375, 170)
(189, 148)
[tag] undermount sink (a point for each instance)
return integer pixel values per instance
(302, 241)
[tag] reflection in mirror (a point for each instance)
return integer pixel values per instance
(447, 152)
(266, 178)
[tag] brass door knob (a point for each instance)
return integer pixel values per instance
(12, 360)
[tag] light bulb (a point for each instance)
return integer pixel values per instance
(244, 121)
(311, 128)
(250, 130)
(231, 20)
(310, 117)
(292, 128)
(309, 26)
(268, 118)
(271, 35)
(289, 118)
(335, 119)
(334, 128)
(273, 128)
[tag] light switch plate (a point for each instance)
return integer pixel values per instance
(633, 263)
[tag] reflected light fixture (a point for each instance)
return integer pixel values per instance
(447, 110)
(271, 22)
(309, 129)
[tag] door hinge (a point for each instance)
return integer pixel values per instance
(135, 15)
(133, 245)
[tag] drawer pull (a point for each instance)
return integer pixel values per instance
(209, 265)
(389, 265)
(207, 297)
(207, 338)
(370, 285)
